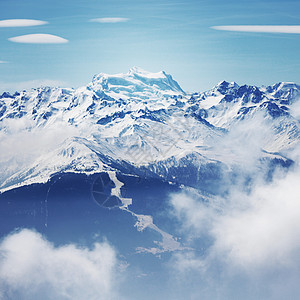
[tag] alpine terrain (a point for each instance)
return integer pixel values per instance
(143, 124)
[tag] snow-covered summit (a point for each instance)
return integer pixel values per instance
(137, 83)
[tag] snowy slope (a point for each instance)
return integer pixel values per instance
(141, 123)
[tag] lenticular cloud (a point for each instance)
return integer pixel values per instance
(38, 38)
(260, 28)
(21, 23)
(109, 20)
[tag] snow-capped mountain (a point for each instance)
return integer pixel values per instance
(140, 123)
(136, 84)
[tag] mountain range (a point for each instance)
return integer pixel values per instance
(143, 124)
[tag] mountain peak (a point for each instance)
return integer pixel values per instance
(223, 86)
(137, 83)
(225, 83)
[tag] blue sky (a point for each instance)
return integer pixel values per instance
(175, 36)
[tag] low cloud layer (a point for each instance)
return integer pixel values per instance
(21, 23)
(33, 268)
(22, 144)
(255, 230)
(38, 38)
(246, 244)
(266, 231)
(295, 110)
(260, 28)
(109, 20)
(242, 145)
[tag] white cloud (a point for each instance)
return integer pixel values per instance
(28, 85)
(195, 215)
(109, 20)
(241, 147)
(187, 261)
(246, 245)
(265, 233)
(21, 23)
(22, 141)
(21, 144)
(3, 62)
(38, 38)
(260, 28)
(295, 109)
(33, 268)
(251, 231)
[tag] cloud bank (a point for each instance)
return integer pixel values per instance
(245, 244)
(38, 38)
(21, 144)
(260, 28)
(250, 231)
(295, 110)
(33, 268)
(21, 23)
(109, 20)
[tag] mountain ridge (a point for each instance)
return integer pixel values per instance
(141, 121)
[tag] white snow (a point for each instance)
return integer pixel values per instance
(210, 101)
(116, 191)
(133, 117)
(168, 242)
